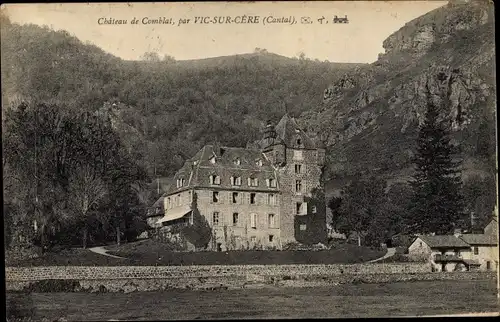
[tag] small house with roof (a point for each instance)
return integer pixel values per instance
(445, 252)
(459, 251)
(262, 196)
(484, 247)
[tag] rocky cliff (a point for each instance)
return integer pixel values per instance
(369, 118)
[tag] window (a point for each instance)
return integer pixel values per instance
(259, 163)
(215, 218)
(235, 219)
(271, 238)
(298, 169)
(297, 155)
(178, 200)
(271, 221)
(253, 182)
(235, 197)
(313, 209)
(488, 265)
(253, 220)
(271, 183)
(476, 250)
(214, 179)
(303, 227)
(236, 181)
(299, 208)
(253, 239)
(271, 199)
(252, 198)
(215, 196)
(299, 141)
(169, 205)
(298, 185)
(237, 161)
(180, 182)
(421, 244)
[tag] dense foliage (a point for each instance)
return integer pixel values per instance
(66, 173)
(368, 211)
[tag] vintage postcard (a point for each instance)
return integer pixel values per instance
(213, 160)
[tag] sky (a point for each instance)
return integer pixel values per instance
(359, 41)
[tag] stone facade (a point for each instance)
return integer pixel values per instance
(260, 197)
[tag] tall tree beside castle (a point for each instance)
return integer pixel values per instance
(437, 205)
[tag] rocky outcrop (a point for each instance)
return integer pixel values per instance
(438, 26)
(370, 116)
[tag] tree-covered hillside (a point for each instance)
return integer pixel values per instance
(165, 110)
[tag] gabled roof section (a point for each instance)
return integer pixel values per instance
(157, 209)
(292, 135)
(442, 241)
(229, 162)
(479, 239)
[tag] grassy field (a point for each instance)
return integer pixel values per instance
(148, 252)
(364, 300)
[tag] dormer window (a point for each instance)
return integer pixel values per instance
(181, 182)
(235, 181)
(253, 182)
(259, 163)
(237, 161)
(214, 179)
(271, 183)
(299, 141)
(212, 160)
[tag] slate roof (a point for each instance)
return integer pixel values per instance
(439, 241)
(197, 170)
(157, 208)
(287, 132)
(479, 239)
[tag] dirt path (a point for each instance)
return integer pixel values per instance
(390, 252)
(103, 251)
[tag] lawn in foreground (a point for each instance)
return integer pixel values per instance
(152, 253)
(364, 300)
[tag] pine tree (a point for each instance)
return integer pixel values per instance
(437, 205)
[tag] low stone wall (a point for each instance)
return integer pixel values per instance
(238, 282)
(159, 272)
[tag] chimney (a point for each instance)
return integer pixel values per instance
(218, 150)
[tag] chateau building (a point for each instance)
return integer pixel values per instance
(263, 196)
